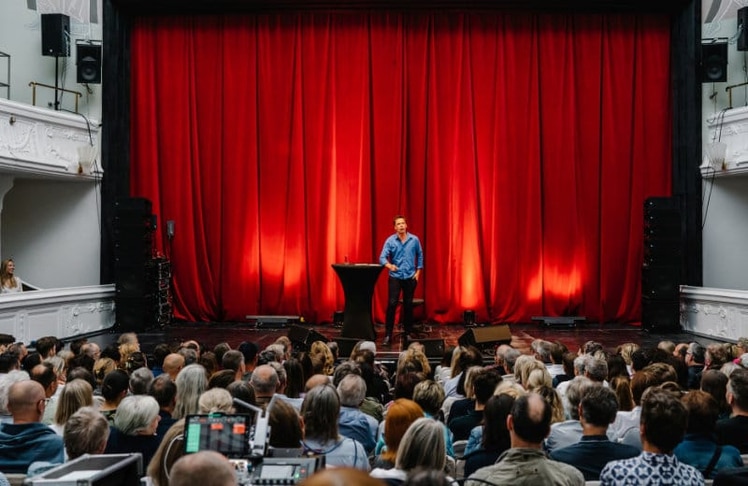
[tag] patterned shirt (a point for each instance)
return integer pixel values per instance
(648, 469)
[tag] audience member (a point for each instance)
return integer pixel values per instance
(320, 411)
(715, 383)
(422, 446)
(173, 364)
(234, 361)
(140, 380)
(113, 389)
(265, 382)
(699, 448)
(695, 362)
(191, 383)
(494, 437)
(206, 468)
(734, 430)
(528, 424)
(164, 391)
(86, 432)
(352, 422)
(568, 432)
(341, 476)
(663, 425)
(286, 427)
(74, 395)
(596, 412)
(169, 450)
(134, 429)
(401, 414)
(27, 440)
(484, 383)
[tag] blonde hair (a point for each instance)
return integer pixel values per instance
(216, 400)
(76, 394)
(102, 367)
(524, 366)
(320, 351)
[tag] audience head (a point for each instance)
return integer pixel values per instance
(169, 450)
(621, 385)
(510, 360)
(530, 421)
(220, 349)
(294, 378)
(663, 420)
(81, 373)
(86, 432)
(484, 381)
(344, 369)
(216, 400)
(406, 382)
(206, 468)
(45, 375)
(400, 415)
(75, 395)
(599, 406)
(553, 399)
(320, 411)
(265, 381)
(737, 390)
(249, 350)
(429, 395)
(715, 383)
(695, 354)
(703, 412)
(209, 362)
(26, 401)
(191, 383)
(164, 390)
(6, 381)
(495, 433)
(173, 364)
(140, 380)
(422, 445)
(115, 386)
(320, 351)
(221, 379)
(233, 360)
(316, 380)
(578, 386)
(285, 426)
(102, 367)
(352, 391)
(244, 392)
(160, 352)
(46, 346)
(137, 415)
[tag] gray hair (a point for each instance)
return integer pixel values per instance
(191, 383)
(266, 384)
(368, 346)
(596, 368)
(510, 359)
(352, 390)
(140, 380)
(278, 349)
(579, 363)
(543, 349)
(57, 362)
(279, 370)
(576, 390)
(86, 432)
(135, 413)
(320, 411)
(423, 446)
(216, 400)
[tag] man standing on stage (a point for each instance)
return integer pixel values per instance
(402, 255)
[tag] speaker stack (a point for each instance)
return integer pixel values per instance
(662, 271)
(142, 283)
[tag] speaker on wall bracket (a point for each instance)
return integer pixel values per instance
(88, 63)
(714, 61)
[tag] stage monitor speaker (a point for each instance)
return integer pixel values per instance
(302, 338)
(88, 63)
(433, 348)
(55, 35)
(486, 337)
(743, 29)
(714, 62)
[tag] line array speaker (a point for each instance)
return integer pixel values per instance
(662, 265)
(55, 35)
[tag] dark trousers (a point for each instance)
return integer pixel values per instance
(408, 289)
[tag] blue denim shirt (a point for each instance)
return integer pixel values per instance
(407, 255)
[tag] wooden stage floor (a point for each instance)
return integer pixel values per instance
(609, 335)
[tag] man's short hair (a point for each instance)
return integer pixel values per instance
(45, 344)
(596, 368)
(738, 386)
(85, 432)
(160, 352)
(44, 374)
(703, 412)
(484, 383)
(531, 416)
(140, 380)
(599, 405)
(232, 360)
(698, 352)
(264, 384)
(578, 386)
(163, 389)
(510, 358)
(249, 350)
(664, 418)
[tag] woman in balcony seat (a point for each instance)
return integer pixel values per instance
(9, 283)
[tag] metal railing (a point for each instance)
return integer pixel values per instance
(34, 84)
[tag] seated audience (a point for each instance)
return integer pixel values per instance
(114, 389)
(216, 400)
(695, 362)
(597, 411)
(400, 415)
(27, 440)
(169, 450)
(140, 380)
(699, 448)
(165, 392)
(206, 468)
(286, 430)
(484, 383)
(568, 432)
(86, 432)
(529, 423)
(134, 429)
(320, 411)
(265, 383)
(429, 395)
(734, 430)
(715, 384)
(173, 364)
(663, 425)
(75, 395)
(191, 382)
(494, 439)
(422, 446)
(352, 422)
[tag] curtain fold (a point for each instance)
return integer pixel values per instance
(520, 146)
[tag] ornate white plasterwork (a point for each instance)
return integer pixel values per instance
(716, 313)
(731, 128)
(44, 142)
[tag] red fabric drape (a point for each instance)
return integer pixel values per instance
(520, 146)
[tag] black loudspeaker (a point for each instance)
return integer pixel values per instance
(433, 348)
(714, 62)
(485, 338)
(302, 338)
(55, 35)
(742, 28)
(88, 63)
(134, 314)
(662, 268)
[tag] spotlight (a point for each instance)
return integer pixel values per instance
(468, 318)
(337, 319)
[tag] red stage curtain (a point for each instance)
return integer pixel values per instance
(520, 146)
